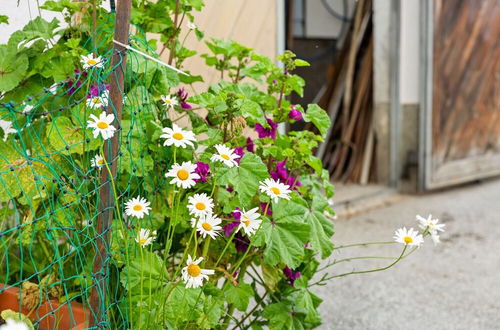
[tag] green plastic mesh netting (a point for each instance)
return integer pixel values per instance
(50, 184)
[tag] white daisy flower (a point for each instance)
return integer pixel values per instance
(275, 189)
(90, 61)
(200, 204)
(97, 161)
(249, 221)
(137, 207)
(408, 237)
(12, 324)
(183, 175)
(169, 101)
(102, 125)
(191, 25)
(177, 136)
(225, 155)
(98, 101)
(207, 224)
(145, 237)
(7, 129)
(193, 275)
(431, 223)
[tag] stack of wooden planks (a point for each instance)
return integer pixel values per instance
(349, 148)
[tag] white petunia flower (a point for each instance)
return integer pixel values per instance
(137, 207)
(183, 175)
(98, 101)
(207, 224)
(275, 189)
(97, 161)
(191, 25)
(169, 101)
(12, 324)
(193, 275)
(90, 61)
(102, 125)
(408, 237)
(225, 155)
(200, 204)
(6, 126)
(249, 221)
(177, 136)
(145, 237)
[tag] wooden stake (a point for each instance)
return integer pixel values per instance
(107, 200)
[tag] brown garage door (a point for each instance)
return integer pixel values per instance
(462, 107)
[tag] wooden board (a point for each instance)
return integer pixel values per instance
(465, 104)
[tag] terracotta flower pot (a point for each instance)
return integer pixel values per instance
(55, 315)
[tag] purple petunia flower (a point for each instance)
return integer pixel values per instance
(228, 229)
(202, 169)
(295, 114)
(183, 96)
(282, 175)
(96, 90)
(241, 242)
(263, 208)
(267, 132)
(250, 145)
(229, 188)
(239, 151)
(292, 276)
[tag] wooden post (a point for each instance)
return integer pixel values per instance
(107, 200)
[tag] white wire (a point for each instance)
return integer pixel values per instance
(150, 57)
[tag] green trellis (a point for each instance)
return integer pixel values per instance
(56, 228)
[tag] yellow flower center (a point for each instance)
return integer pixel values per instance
(100, 162)
(137, 207)
(275, 190)
(430, 224)
(194, 270)
(408, 239)
(96, 100)
(247, 223)
(206, 226)
(143, 241)
(177, 136)
(200, 206)
(102, 125)
(91, 62)
(182, 174)
(226, 157)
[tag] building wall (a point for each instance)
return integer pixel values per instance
(251, 23)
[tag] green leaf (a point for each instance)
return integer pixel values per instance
(239, 295)
(13, 67)
(245, 178)
(301, 63)
(318, 117)
(4, 19)
(308, 302)
(321, 227)
(284, 239)
(144, 272)
(35, 29)
(10, 314)
(66, 137)
(281, 316)
(251, 110)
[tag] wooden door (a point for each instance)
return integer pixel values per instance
(461, 119)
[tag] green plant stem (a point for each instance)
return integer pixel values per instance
(261, 300)
(206, 246)
(225, 248)
(363, 271)
(363, 244)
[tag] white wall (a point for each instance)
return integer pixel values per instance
(409, 52)
(20, 15)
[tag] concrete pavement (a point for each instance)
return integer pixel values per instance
(454, 285)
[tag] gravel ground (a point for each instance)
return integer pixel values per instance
(454, 285)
